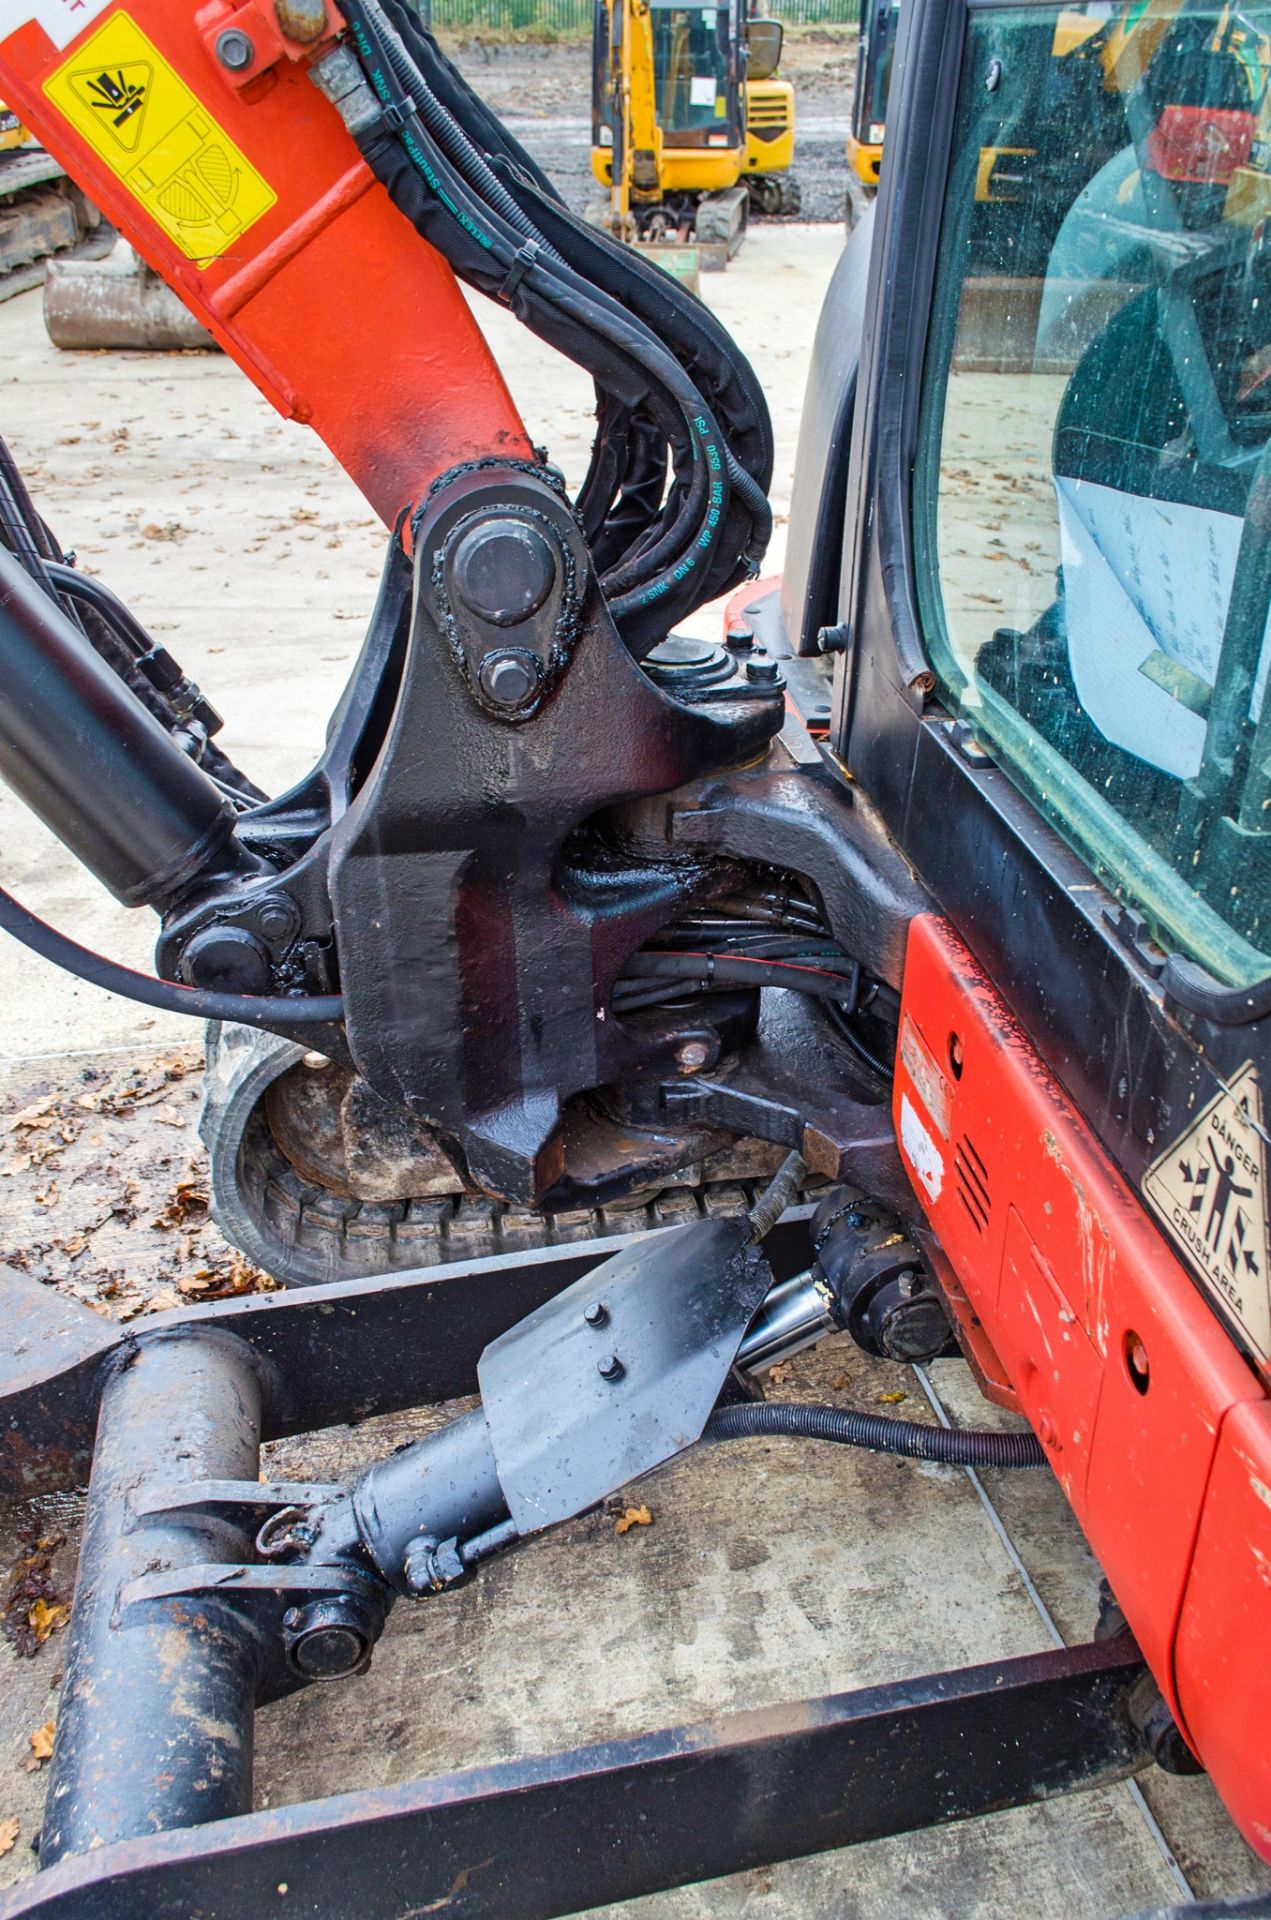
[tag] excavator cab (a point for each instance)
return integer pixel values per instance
(1030, 525)
(1108, 637)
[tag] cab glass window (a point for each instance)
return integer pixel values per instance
(1093, 491)
(691, 71)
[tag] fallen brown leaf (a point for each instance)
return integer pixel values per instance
(780, 1372)
(9, 1831)
(44, 1620)
(169, 1115)
(42, 1741)
(160, 1302)
(633, 1517)
(841, 1382)
(188, 1201)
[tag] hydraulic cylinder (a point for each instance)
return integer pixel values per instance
(95, 765)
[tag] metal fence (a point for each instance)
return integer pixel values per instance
(572, 18)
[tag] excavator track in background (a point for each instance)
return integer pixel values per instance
(42, 212)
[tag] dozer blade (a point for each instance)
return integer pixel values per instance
(682, 263)
(117, 302)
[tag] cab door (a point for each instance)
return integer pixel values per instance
(1055, 612)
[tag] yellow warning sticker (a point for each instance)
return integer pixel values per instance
(136, 112)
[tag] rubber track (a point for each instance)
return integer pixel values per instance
(336, 1238)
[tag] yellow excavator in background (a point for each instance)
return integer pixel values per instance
(1215, 76)
(879, 22)
(690, 128)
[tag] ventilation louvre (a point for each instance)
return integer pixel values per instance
(973, 1183)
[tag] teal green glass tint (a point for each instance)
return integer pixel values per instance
(1093, 489)
(690, 67)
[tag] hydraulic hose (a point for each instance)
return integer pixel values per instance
(604, 337)
(249, 1010)
(950, 1446)
(475, 217)
(505, 176)
(781, 1192)
(450, 135)
(706, 969)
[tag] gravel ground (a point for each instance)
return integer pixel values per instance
(544, 94)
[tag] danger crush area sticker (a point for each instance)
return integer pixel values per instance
(1208, 1191)
(134, 110)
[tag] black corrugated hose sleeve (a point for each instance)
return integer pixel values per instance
(951, 1446)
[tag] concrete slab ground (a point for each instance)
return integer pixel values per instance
(770, 1570)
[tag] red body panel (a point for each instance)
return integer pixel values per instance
(1148, 1413)
(1221, 1656)
(333, 305)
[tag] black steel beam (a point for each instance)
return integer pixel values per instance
(529, 1839)
(339, 1353)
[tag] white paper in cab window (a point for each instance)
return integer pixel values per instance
(1143, 575)
(701, 91)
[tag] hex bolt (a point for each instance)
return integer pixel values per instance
(692, 1055)
(431, 1566)
(509, 678)
(611, 1368)
(503, 571)
(596, 1313)
(762, 672)
(739, 640)
(234, 50)
(277, 918)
